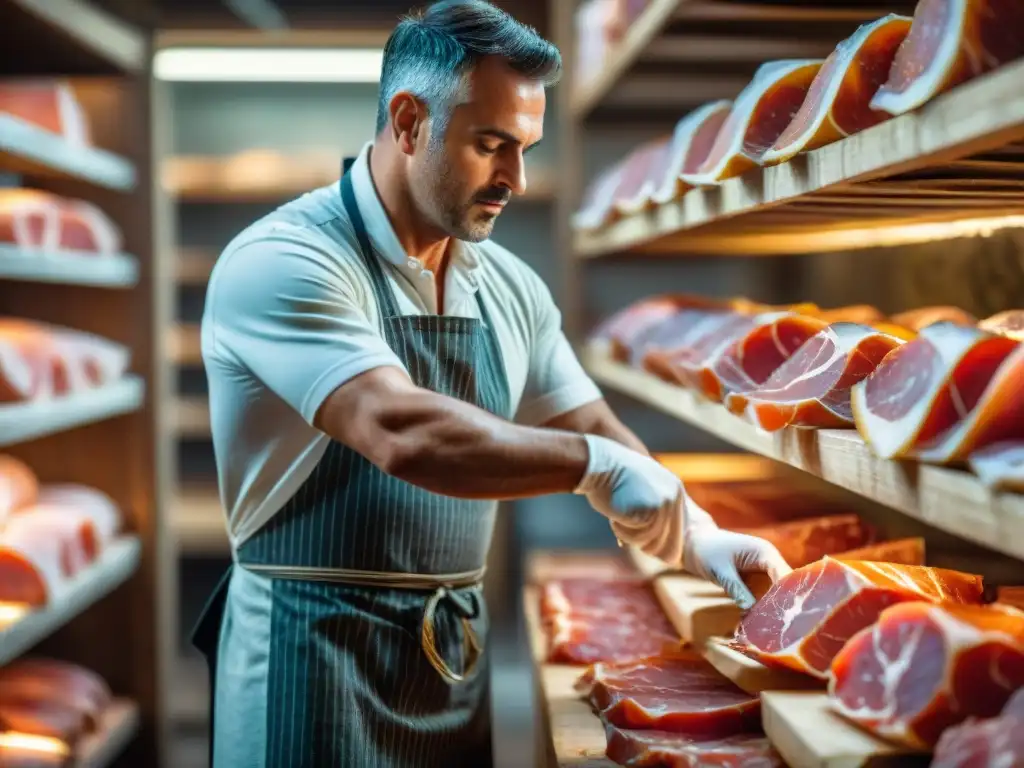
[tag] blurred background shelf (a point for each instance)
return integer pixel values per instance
(115, 565)
(67, 267)
(32, 420)
(117, 727)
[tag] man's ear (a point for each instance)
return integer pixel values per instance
(408, 120)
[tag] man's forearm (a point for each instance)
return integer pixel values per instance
(456, 449)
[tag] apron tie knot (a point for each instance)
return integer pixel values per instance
(471, 648)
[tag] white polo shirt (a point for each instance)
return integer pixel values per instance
(290, 316)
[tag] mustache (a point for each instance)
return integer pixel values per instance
(496, 195)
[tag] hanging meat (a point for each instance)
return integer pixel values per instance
(664, 749)
(587, 621)
(801, 542)
(680, 693)
(752, 503)
(922, 668)
(946, 392)
(980, 742)
(48, 104)
(950, 42)
(807, 616)
(1000, 466)
(18, 486)
(35, 220)
(691, 143)
(837, 104)
(758, 117)
(812, 388)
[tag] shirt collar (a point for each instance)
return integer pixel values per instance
(464, 256)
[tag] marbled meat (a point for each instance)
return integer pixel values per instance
(664, 749)
(994, 742)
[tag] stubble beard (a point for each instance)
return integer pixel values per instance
(444, 199)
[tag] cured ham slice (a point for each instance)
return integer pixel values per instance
(1009, 323)
(579, 565)
(1000, 466)
(808, 615)
(899, 552)
(837, 104)
(48, 719)
(812, 388)
(977, 742)
(34, 562)
(18, 486)
(758, 117)
(47, 104)
(664, 749)
(641, 177)
(691, 143)
(48, 681)
(92, 513)
(804, 541)
(681, 694)
(590, 621)
(922, 668)
(40, 361)
(950, 42)
(32, 219)
(928, 386)
(922, 317)
(598, 200)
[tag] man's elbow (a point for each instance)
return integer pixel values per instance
(396, 455)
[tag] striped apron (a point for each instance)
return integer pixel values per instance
(351, 629)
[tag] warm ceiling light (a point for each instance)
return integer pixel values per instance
(289, 65)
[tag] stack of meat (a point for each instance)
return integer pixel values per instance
(46, 707)
(49, 105)
(39, 361)
(886, 68)
(48, 533)
(660, 704)
(907, 651)
(35, 221)
(935, 383)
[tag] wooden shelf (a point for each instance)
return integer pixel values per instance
(192, 417)
(67, 267)
(117, 728)
(114, 566)
(232, 178)
(948, 499)
(90, 35)
(29, 150)
(21, 422)
(698, 37)
(193, 266)
(953, 160)
(197, 519)
(186, 347)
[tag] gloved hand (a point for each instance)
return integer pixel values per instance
(721, 556)
(642, 499)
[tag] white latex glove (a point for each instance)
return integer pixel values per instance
(642, 499)
(721, 556)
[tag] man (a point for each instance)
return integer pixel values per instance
(380, 373)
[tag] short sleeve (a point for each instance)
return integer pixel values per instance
(555, 382)
(290, 311)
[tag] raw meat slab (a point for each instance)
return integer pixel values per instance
(662, 749)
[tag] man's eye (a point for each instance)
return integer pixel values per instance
(487, 150)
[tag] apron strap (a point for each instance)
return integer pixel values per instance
(378, 280)
(472, 651)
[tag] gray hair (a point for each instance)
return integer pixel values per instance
(430, 52)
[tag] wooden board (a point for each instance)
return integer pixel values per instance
(809, 735)
(576, 734)
(30, 265)
(753, 676)
(19, 630)
(764, 205)
(21, 422)
(698, 609)
(948, 499)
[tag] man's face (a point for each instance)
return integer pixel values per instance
(463, 178)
